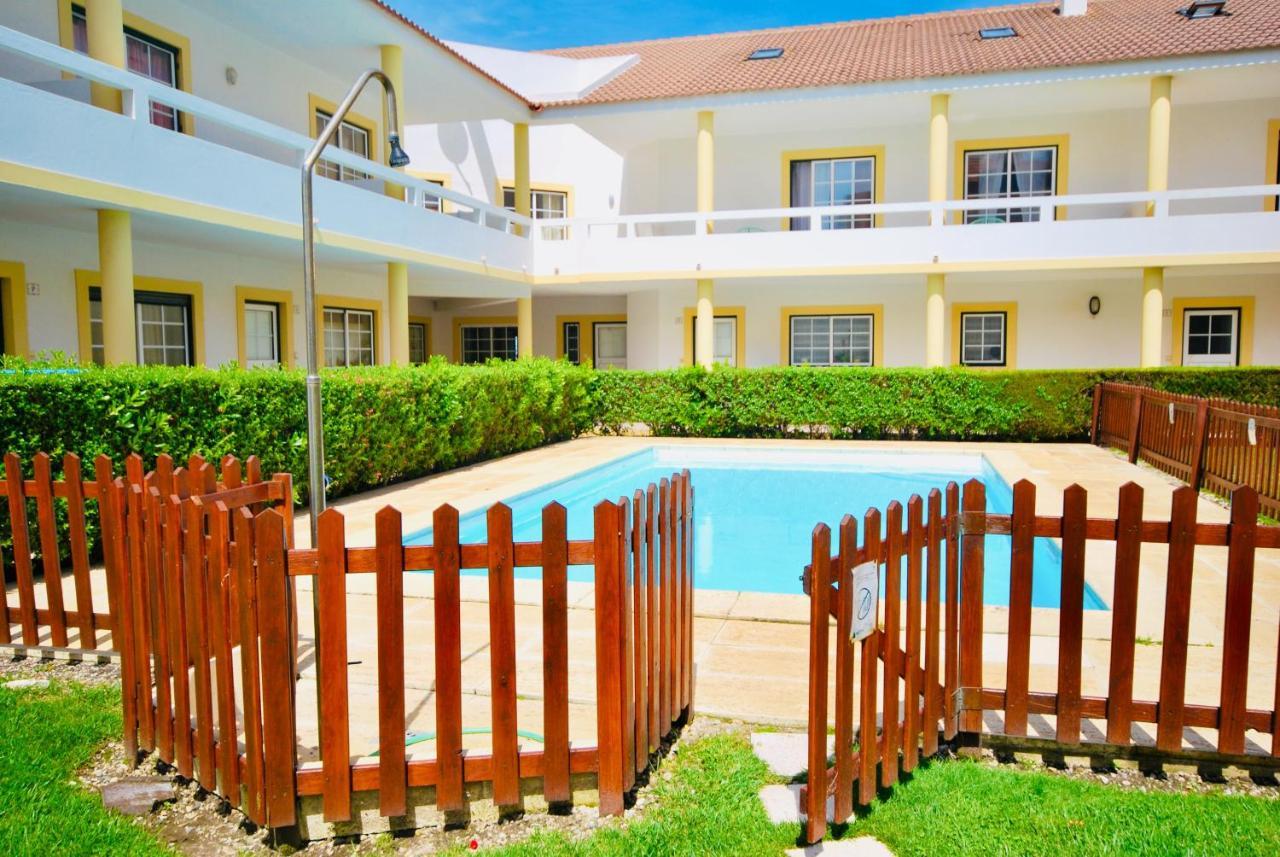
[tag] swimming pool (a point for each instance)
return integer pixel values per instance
(755, 510)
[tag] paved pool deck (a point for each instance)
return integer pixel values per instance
(751, 649)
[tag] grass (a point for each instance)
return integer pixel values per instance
(703, 802)
(45, 737)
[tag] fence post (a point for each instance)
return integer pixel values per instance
(1135, 420)
(608, 666)
(1097, 408)
(819, 622)
(1199, 438)
(973, 544)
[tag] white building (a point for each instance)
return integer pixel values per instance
(834, 194)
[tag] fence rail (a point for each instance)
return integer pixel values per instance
(1208, 443)
(211, 630)
(60, 524)
(933, 549)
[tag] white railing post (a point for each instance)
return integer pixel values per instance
(1046, 212)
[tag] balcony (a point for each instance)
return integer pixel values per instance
(241, 174)
(1130, 229)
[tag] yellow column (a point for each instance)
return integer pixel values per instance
(935, 302)
(105, 25)
(115, 261)
(705, 188)
(524, 306)
(1158, 116)
(1152, 317)
(392, 57)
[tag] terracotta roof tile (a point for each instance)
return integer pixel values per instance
(922, 46)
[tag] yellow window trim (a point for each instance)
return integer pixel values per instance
(67, 39)
(315, 102)
(876, 311)
(504, 185)
(460, 322)
(15, 308)
(373, 305)
(426, 323)
(1273, 161)
(876, 152)
(1011, 331)
(740, 313)
(1062, 141)
(1244, 302)
(445, 180)
(282, 297)
(86, 279)
(586, 332)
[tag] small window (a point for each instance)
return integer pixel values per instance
(351, 138)
(983, 338)
(1211, 337)
(997, 32)
(417, 342)
(609, 340)
(543, 204)
(1204, 9)
(348, 337)
(765, 54)
(573, 341)
(162, 325)
(832, 340)
(481, 342)
(261, 334)
(433, 203)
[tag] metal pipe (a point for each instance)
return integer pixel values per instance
(315, 422)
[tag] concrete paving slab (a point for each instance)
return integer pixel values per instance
(862, 846)
(786, 753)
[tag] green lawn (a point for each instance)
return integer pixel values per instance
(707, 805)
(45, 737)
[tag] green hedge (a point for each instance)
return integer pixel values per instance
(934, 404)
(381, 424)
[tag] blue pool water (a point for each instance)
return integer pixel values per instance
(755, 510)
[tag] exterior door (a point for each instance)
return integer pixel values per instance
(261, 335)
(725, 341)
(610, 345)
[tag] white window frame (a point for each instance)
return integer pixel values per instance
(1013, 213)
(612, 362)
(348, 132)
(1230, 359)
(965, 318)
(97, 348)
(540, 210)
(476, 357)
(844, 221)
(140, 303)
(831, 334)
(274, 311)
(348, 350)
(717, 323)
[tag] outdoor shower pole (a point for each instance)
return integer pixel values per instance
(315, 422)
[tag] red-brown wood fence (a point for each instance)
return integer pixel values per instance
(944, 552)
(1210, 443)
(212, 588)
(43, 552)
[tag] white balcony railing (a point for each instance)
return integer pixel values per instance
(138, 93)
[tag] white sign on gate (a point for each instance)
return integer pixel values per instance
(866, 600)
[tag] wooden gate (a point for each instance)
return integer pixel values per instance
(931, 648)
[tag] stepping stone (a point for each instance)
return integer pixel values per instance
(138, 796)
(20, 683)
(786, 753)
(862, 846)
(782, 804)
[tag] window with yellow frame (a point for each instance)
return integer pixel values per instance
(847, 175)
(168, 320)
(728, 336)
(349, 330)
(264, 327)
(357, 134)
(546, 202)
(434, 203)
(153, 51)
(833, 335)
(419, 339)
(984, 335)
(579, 339)
(13, 309)
(1011, 168)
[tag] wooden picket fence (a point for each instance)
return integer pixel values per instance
(951, 638)
(214, 618)
(37, 501)
(1211, 443)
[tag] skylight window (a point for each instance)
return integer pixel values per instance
(997, 32)
(765, 54)
(1204, 9)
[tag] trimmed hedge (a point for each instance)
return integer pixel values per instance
(933, 404)
(381, 424)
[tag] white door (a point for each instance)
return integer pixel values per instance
(610, 345)
(1211, 337)
(725, 341)
(261, 335)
